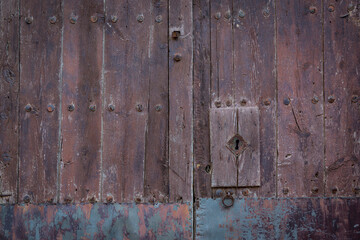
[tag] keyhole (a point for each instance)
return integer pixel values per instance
(237, 144)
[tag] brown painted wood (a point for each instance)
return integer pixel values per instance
(254, 80)
(180, 101)
(201, 88)
(221, 53)
(223, 126)
(127, 79)
(248, 166)
(81, 128)
(300, 79)
(342, 102)
(9, 88)
(40, 54)
(157, 165)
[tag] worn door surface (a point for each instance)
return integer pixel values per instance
(179, 119)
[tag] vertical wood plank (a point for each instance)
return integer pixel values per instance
(223, 126)
(9, 88)
(81, 127)
(254, 79)
(40, 51)
(201, 88)
(342, 101)
(180, 101)
(156, 166)
(300, 90)
(127, 77)
(221, 53)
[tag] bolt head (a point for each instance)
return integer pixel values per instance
(312, 9)
(140, 18)
(158, 19)
(114, 18)
(52, 20)
(217, 15)
(71, 107)
(286, 101)
(111, 108)
(139, 108)
(73, 19)
(228, 15)
(50, 108)
(331, 8)
(267, 102)
(28, 108)
(158, 108)
(29, 20)
(314, 100)
(26, 199)
(241, 13)
(177, 57)
(218, 104)
(331, 99)
(92, 108)
(94, 18)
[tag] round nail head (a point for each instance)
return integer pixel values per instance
(50, 108)
(52, 20)
(140, 18)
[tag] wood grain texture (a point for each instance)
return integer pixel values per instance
(180, 101)
(300, 90)
(127, 56)
(81, 128)
(9, 89)
(342, 102)
(223, 126)
(201, 88)
(157, 165)
(40, 51)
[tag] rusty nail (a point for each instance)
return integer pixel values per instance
(73, 19)
(331, 8)
(228, 103)
(331, 99)
(94, 18)
(50, 108)
(177, 57)
(158, 19)
(314, 100)
(285, 191)
(109, 199)
(217, 15)
(228, 14)
(52, 20)
(267, 102)
(334, 190)
(315, 190)
(92, 108)
(241, 13)
(350, 7)
(243, 102)
(286, 101)
(219, 192)
(266, 12)
(28, 108)
(71, 107)
(29, 20)
(158, 108)
(245, 192)
(26, 199)
(111, 108)
(312, 9)
(218, 104)
(140, 18)
(114, 18)
(175, 34)
(354, 98)
(139, 108)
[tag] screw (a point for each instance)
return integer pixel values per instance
(29, 20)
(354, 98)
(217, 15)
(228, 103)
(52, 20)
(111, 108)
(331, 99)
(228, 15)
(243, 102)
(158, 19)
(350, 7)
(92, 108)
(94, 18)
(267, 102)
(245, 192)
(26, 199)
(241, 13)
(334, 190)
(218, 104)
(285, 191)
(331, 8)
(109, 199)
(312, 9)
(286, 101)
(314, 100)
(177, 57)
(50, 108)
(28, 108)
(71, 107)
(158, 108)
(114, 18)
(73, 19)
(140, 18)
(139, 108)
(315, 190)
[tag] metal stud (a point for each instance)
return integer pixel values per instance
(158, 19)
(73, 19)
(228, 14)
(314, 100)
(50, 108)
(139, 107)
(94, 19)
(331, 99)
(312, 9)
(218, 15)
(114, 18)
(286, 101)
(140, 18)
(158, 108)
(26, 199)
(28, 108)
(241, 13)
(92, 108)
(71, 107)
(218, 104)
(267, 102)
(29, 20)
(331, 8)
(52, 20)
(177, 57)
(111, 108)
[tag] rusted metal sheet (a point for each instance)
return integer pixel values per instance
(9, 88)
(342, 101)
(98, 221)
(40, 60)
(180, 100)
(300, 98)
(284, 218)
(81, 100)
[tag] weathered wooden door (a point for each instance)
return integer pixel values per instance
(179, 119)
